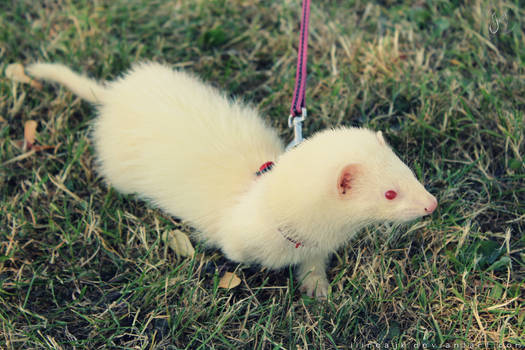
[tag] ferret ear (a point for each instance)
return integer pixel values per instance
(346, 180)
(380, 138)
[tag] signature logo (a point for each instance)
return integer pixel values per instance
(501, 22)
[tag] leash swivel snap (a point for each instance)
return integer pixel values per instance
(296, 122)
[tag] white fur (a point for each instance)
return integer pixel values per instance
(179, 143)
(80, 85)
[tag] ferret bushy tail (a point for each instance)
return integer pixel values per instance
(87, 88)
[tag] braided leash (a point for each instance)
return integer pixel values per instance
(298, 109)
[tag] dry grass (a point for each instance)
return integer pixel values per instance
(82, 266)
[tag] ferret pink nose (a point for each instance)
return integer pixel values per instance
(431, 205)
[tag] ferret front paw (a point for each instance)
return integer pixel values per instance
(315, 286)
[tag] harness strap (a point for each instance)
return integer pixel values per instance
(264, 168)
(295, 242)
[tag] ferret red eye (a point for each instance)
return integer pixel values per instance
(390, 195)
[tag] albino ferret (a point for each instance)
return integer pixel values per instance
(181, 144)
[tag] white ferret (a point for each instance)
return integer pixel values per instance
(179, 143)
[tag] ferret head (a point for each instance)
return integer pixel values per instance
(382, 184)
(349, 177)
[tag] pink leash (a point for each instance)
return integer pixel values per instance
(298, 109)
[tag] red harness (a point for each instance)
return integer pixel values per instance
(264, 168)
(297, 244)
(290, 239)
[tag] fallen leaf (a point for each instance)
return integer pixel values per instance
(16, 72)
(29, 133)
(38, 148)
(179, 242)
(456, 62)
(229, 281)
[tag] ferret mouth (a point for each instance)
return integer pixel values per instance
(409, 215)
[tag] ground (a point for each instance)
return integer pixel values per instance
(82, 266)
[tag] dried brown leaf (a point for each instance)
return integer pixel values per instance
(229, 281)
(179, 242)
(29, 133)
(38, 148)
(16, 72)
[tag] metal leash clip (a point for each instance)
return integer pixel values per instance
(296, 123)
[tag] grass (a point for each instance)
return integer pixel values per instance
(82, 266)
